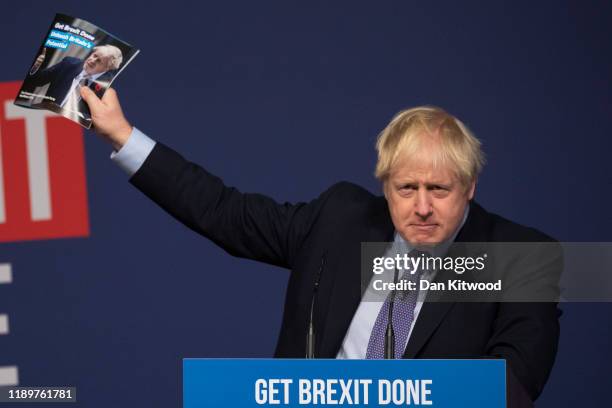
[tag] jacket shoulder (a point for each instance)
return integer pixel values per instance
(350, 198)
(71, 61)
(348, 190)
(503, 230)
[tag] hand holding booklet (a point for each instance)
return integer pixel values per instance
(74, 54)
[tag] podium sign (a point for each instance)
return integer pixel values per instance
(375, 383)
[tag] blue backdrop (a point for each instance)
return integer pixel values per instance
(286, 98)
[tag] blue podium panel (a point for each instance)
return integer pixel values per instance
(301, 383)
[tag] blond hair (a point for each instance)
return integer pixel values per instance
(411, 129)
(113, 55)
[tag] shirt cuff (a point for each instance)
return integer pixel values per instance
(134, 152)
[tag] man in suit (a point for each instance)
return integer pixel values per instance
(67, 76)
(428, 163)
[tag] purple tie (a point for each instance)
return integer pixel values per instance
(403, 315)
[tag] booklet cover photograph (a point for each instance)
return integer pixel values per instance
(74, 53)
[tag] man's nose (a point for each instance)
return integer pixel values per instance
(423, 207)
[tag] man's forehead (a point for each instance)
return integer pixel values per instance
(423, 171)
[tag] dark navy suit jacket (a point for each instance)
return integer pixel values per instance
(296, 236)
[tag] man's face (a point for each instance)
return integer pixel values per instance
(427, 204)
(96, 63)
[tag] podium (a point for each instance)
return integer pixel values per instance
(338, 383)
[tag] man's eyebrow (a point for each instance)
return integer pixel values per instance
(439, 183)
(426, 183)
(406, 182)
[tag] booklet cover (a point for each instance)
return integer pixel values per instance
(74, 53)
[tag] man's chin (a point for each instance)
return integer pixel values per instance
(90, 70)
(423, 240)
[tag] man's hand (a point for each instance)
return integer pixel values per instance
(107, 116)
(39, 61)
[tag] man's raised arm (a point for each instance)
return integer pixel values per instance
(247, 225)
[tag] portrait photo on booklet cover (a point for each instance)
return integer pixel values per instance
(74, 54)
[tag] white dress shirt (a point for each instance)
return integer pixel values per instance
(73, 96)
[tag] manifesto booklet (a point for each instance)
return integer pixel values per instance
(74, 53)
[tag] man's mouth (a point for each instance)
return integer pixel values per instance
(424, 227)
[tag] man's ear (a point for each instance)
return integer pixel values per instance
(471, 190)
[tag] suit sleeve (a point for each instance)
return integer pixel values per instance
(46, 75)
(245, 225)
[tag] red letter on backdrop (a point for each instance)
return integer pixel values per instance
(43, 192)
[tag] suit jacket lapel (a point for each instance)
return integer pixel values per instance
(430, 317)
